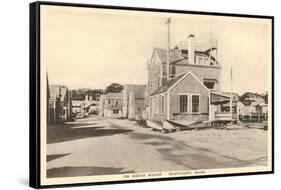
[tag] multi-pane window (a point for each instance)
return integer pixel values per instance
(206, 61)
(183, 103)
(173, 74)
(195, 103)
(200, 60)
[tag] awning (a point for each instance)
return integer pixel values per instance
(219, 99)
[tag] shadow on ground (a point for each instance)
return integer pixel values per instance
(56, 156)
(84, 171)
(68, 132)
(193, 157)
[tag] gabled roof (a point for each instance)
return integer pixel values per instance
(162, 54)
(169, 84)
(138, 91)
(57, 91)
(177, 57)
(173, 82)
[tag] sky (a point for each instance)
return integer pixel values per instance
(88, 49)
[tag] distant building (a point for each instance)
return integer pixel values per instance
(257, 111)
(112, 105)
(133, 101)
(255, 99)
(86, 106)
(59, 107)
(77, 106)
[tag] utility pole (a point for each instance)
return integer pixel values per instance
(211, 45)
(168, 22)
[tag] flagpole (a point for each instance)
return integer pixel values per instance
(211, 36)
(168, 22)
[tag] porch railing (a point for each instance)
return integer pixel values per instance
(224, 116)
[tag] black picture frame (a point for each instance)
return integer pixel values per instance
(34, 91)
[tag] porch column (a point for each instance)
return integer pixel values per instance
(168, 105)
(209, 106)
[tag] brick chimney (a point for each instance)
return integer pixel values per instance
(191, 50)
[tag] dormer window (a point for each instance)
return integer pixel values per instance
(206, 61)
(202, 60)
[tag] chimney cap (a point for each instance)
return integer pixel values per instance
(191, 36)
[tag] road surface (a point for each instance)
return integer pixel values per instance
(98, 146)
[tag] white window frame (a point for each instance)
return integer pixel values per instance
(191, 105)
(162, 103)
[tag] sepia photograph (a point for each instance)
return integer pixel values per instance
(143, 94)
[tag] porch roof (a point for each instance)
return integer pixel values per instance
(218, 98)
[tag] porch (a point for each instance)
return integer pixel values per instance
(222, 109)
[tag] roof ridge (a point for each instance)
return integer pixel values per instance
(170, 83)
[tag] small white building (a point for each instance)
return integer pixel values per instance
(112, 105)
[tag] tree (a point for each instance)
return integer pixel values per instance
(80, 94)
(245, 98)
(265, 97)
(114, 88)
